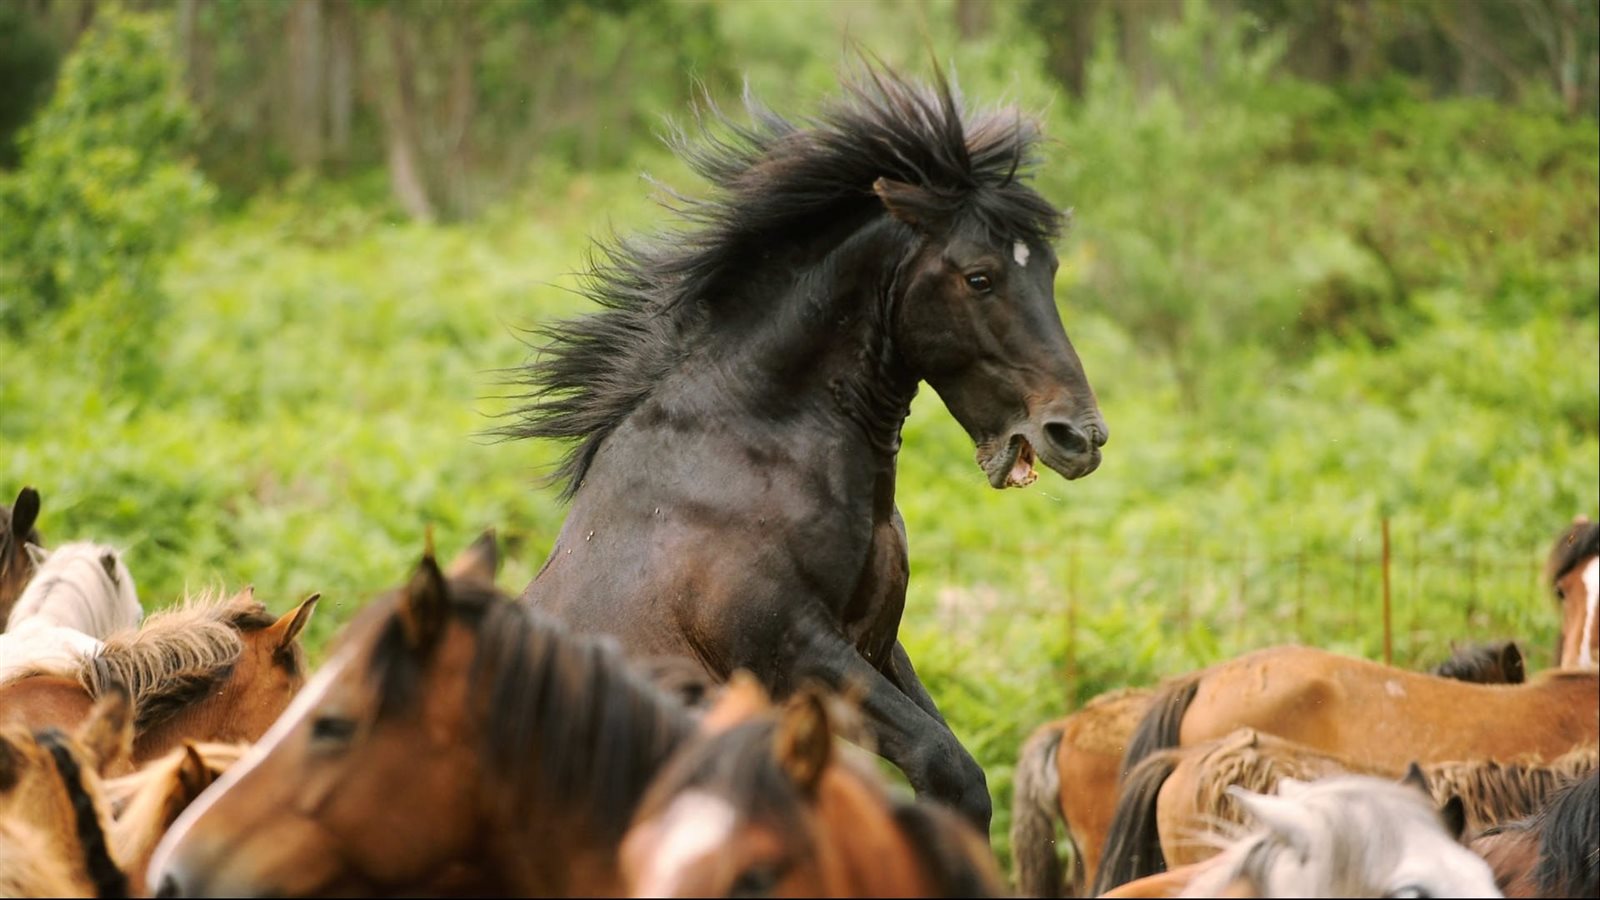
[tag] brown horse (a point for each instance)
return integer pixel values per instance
(453, 735)
(1175, 798)
(1497, 662)
(1553, 853)
(211, 670)
(765, 805)
(16, 533)
(53, 815)
(1572, 572)
(1376, 716)
(1068, 772)
(145, 803)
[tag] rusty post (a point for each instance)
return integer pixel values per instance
(1388, 624)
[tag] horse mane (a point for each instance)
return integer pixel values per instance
(107, 600)
(740, 762)
(565, 718)
(1257, 763)
(771, 180)
(176, 657)
(107, 877)
(1493, 792)
(950, 854)
(1568, 832)
(141, 802)
(1580, 541)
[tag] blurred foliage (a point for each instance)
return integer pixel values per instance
(103, 193)
(1306, 302)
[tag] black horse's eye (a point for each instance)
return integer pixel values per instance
(980, 282)
(332, 728)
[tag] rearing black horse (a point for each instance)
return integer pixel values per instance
(736, 407)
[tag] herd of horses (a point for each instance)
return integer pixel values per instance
(688, 698)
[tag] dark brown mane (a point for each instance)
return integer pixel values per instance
(1576, 544)
(566, 721)
(1568, 832)
(948, 858)
(1499, 662)
(108, 879)
(773, 181)
(738, 765)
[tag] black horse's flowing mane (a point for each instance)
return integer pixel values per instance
(773, 181)
(1568, 832)
(566, 720)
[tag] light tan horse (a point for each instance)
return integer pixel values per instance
(765, 804)
(53, 815)
(144, 804)
(210, 670)
(1174, 801)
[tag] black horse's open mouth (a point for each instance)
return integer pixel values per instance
(1012, 465)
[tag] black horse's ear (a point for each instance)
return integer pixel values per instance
(1415, 778)
(25, 512)
(803, 743)
(425, 605)
(1512, 663)
(1454, 814)
(912, 205)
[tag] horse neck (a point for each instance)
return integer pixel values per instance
(810, 341)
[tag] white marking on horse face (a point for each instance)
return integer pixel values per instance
(304, 702)
(1591, 575)
(1019, 252)
(696, 825)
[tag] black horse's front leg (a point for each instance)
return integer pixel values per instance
(913, 737)
(904, 677)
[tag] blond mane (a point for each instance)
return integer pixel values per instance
(144, 803)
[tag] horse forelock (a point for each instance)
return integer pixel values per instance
(1575, 545)
(738, 766)
(773, 181)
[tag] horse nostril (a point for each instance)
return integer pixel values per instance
(168, 888)
(1099, 434)
(1066, 437)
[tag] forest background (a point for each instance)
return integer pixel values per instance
(1333, 264)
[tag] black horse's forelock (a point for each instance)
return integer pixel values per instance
(772, 179)
(1569, 841)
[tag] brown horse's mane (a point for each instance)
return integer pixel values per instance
(1579, 542)
(141, 801)
(1568, 832)
(773, 179)
(176, 657)
(565, 719)
(740, 765)
(108, 879)
(946, 850)
(1492, 791)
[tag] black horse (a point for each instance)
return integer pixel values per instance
(736, 407)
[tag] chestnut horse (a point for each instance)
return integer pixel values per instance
(211, 670)
(16, 533)
(1553, 853)
(452, 731)
(734, 410)
(1572, 572)
(1069, 770)
(53, 815)
(1173, 799)
(764, 804)
(1344, 836)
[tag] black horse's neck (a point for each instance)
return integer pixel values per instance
(818, 343)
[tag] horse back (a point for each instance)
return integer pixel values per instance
(37, 702)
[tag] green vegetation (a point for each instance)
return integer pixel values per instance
(1306, 305)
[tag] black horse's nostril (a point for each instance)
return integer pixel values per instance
(1067, 437)
(168, 888)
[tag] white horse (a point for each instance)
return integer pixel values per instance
(80, 594)
(1345, 836)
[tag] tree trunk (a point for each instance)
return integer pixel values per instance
(397, 98)
(342, 64)
(304, 27)
(460, 105)
(972, 18)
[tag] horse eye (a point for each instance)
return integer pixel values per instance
(332, 728)
(758, 881)
(980, 282)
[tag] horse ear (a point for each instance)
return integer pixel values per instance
(107, 734)
(24, 512)
(108, 561)
(1414, 777)
(291, 623)
(425, 604)
(742, 699)
(193, 773)
(804, 742)
(1512, 663)
(1454, 814)
(910, 204)
(478, 562)
(36, 554)
(1277, 814)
